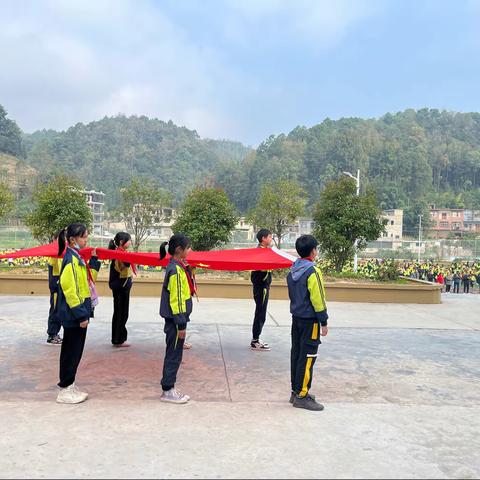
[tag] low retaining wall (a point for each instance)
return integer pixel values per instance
(414, 292)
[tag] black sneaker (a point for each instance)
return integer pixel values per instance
(308, 403)
(293, 395)
(259, 346)
(54, 340)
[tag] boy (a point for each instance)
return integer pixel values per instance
(309, 321)
(261, 281)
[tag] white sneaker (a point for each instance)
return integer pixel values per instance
(172, 396)
(71, 394)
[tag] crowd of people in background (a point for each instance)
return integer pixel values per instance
(455, 277)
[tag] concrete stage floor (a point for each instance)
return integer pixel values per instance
(400, 384)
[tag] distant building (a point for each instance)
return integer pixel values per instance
(243, 232)
(445, 221)
(393, 236)
(161, 227)
(162, 223)
(471, 220)
(394, 226)
(302, 226)
(96, 203)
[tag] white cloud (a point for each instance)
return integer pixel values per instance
(318, 24)
(68, 61)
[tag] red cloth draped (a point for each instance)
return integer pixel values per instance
(231, 260)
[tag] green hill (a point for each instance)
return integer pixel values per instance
(411, 158)
(105, 154)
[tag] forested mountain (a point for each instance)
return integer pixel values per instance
(105, 154)
(411, 158)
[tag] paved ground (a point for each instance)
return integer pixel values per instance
(400, 384)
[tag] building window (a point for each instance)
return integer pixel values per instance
(392, 222)
(444, 215)
(443, 224)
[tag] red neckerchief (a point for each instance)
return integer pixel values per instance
(310, 258)
(190, 277)
(132, 265)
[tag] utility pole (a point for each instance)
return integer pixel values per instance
(357, 182)
(419, 235)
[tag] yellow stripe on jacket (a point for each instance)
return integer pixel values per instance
(74, 283)
(317, 290)
(179, 291)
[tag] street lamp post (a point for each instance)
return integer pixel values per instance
(419, 235)
(357, 182)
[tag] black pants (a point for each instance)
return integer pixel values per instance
(260, 295)
(456, 287)
(466, 287)
(305, 342)
(71, 354)
(121, 305)
(448, 287)
(54, 324)
(173, 355)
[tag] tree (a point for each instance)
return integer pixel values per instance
(10, 136)
(279, 205)
(341, 217)
(57, 204)
(142, 208)
(6, 200)
(207, 217)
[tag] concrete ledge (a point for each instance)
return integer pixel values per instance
(414, 292)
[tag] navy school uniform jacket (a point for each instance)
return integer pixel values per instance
(74, 304)
(120, 279)
(307, 292)
(176, 302)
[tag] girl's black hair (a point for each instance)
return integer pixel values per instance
(73, 230)
(177, 240)
(119, 237)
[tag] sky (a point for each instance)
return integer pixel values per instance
(235, 69)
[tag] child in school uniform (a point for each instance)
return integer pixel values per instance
(309, 321)
(54, 326)
(175, 307)
(120, 282)
(74, 307)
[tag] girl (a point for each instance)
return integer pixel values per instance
(120, 283)
(175, 307)
(74, 307)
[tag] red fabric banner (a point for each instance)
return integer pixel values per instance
(230, 260)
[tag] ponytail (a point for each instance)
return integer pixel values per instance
(61, 242)
(73, 230)
(120, 237)
(177, 240)
(163, 251)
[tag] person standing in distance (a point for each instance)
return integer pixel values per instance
(261, 281)
(120, 282)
